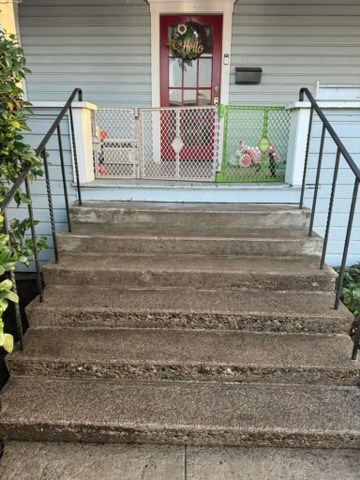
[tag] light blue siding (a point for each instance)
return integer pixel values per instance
(296, 44)
(346, 123)
(102, 47)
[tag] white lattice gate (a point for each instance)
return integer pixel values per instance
(163, 143)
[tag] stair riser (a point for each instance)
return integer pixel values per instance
(228, 219)
(191, 321)
(266, 247)
(185, 435)
(204, 279)
(181, 372)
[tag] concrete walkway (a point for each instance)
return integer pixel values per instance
(65, 461)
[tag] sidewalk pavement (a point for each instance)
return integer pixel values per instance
(65, 461)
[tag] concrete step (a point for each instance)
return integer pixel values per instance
(149, 239)
(191, 214)
(196, 271)
(187, 308)
(192, 413)
(79, 461)
(123, 354)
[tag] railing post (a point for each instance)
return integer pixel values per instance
(313, 209)
(331, 204)
(76, 165)
(347, 243)
(63, 173)
(306, 159)
(82, 130)
(298, 136)
(33, 236)
(50, 203)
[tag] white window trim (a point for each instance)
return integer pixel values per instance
(201, 7)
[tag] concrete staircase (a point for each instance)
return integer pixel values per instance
(196, 324)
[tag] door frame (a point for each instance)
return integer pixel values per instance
(201, 7)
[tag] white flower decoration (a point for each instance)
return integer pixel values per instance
(182, 29)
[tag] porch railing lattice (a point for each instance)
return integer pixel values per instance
(256, 143)
(156, 143)
(115, 143)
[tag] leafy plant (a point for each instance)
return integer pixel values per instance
(351, 291)
(14, 152)
(7, 263)
(15, 155)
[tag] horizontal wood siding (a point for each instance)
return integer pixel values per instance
(347, 125)
(101, 46)
(40, 123)
(296, 44)
(104, 47)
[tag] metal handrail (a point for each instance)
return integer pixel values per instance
(341, 152)
(24, 178)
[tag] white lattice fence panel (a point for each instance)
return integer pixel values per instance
(115, 143)
(179, 143)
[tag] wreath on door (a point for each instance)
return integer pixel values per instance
(187, 42)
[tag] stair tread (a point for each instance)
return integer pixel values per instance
(190, 233)
(191, 300)
(224, 215)
(190, 207)
(271, 413)
(188, 299)
(198, 239)
(191, 263)
(191, 347)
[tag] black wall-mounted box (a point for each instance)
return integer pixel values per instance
(248, 75)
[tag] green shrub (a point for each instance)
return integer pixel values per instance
(351, 291)
(15, 155)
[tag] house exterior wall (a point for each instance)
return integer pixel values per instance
(101, 46)
(346, 123)
(104, 47)
(296, 44)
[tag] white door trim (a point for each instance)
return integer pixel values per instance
(176, 7)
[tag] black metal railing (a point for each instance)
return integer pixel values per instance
(23, 178)
(341, 152)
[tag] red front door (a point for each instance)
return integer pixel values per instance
(193, 82)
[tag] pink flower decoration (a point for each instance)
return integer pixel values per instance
(246, 160)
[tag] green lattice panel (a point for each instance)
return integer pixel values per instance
(262, 155)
